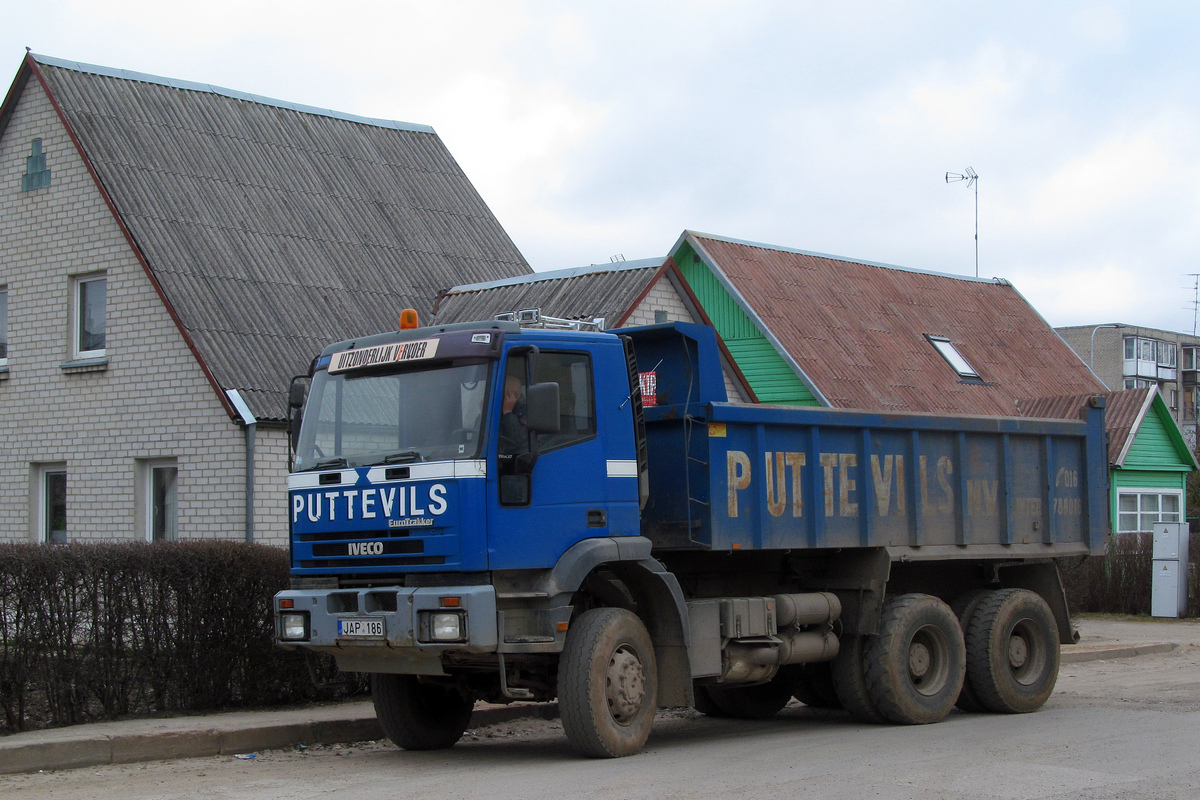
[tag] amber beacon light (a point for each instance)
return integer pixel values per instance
(408, 319)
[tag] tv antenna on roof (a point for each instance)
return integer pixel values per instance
(1196, 300)
(972, 183)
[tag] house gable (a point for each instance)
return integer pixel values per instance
(148, 401)
(1158, 443)
(770, 377)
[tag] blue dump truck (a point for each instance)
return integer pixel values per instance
(497, 512)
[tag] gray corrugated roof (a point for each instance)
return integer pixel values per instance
(274, 229)
(607, 291)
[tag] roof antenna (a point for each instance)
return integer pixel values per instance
(972, 180)
(1196, 301)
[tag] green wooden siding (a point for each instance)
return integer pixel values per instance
(1154, 448)
(772, 380)
(1140, 479)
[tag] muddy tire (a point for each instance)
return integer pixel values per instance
(1013, 651)
(915, 667)
(419, 716)
(849, 671)
(703, 702)
(814, 686)
(755, 702)
(607, 683)
(964, 607)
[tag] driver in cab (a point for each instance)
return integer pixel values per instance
(514, 436)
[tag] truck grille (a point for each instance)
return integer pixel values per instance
(389, 548)
(372, 561)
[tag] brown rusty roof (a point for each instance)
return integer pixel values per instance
(858, 331)
(1122, 414)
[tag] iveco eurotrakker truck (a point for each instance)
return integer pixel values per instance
(498, 512)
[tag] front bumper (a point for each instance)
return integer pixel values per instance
(402, 612)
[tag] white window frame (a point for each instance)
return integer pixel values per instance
(955, 359)
(42, 473)
(77, 310)
(1140, 516)
(1167, 352)
(146, 474)
(4, 325)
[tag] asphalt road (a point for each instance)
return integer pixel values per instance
(1123, 728)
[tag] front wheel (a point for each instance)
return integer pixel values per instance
(607, 683)
(419, 716)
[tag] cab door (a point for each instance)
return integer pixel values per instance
(565, 498)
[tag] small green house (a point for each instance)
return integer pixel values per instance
(1149, 460)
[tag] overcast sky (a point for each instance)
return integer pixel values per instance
(601, 128)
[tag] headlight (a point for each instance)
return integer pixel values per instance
(293, 627)
(443, 626)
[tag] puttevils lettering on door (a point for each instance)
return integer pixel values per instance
(372, 508)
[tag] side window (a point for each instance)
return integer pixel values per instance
(576, 398)
(88, 324)
(51, 510)
(3, 326)
(576, 401)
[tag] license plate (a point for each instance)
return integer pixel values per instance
(361, 628)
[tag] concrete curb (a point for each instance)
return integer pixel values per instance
(107, 743)
(1115, 651)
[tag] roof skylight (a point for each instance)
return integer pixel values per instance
(954, 358)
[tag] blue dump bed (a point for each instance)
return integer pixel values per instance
(746, 477)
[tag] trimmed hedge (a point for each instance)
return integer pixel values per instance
(103, 631)
(1119, 582)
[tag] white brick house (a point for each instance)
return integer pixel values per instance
(170, 254)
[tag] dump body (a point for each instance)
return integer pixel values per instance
(755, 477)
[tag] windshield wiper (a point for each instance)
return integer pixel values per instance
(329, 463)
(403, 457)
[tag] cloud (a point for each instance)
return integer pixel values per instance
(596, 128)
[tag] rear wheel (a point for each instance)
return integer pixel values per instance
(704, 703)
(419, 716)
(915, 666)
(850, 679)
(814, 686)
(1013, 651)
(964, 607)
(755, 702)
(607, 683)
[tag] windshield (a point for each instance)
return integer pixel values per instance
(355, 420)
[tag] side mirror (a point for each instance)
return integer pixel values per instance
(541, 408)
(296, 394)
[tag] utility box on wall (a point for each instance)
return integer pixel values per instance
(1169, 587)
